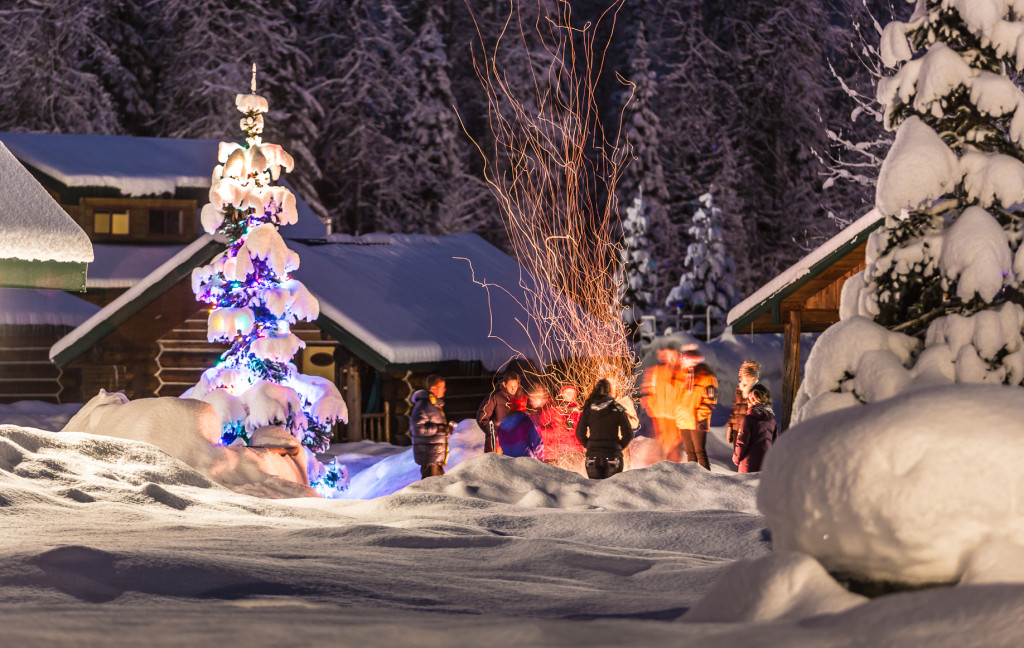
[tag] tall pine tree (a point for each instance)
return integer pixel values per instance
(942, 297)
(705, 288)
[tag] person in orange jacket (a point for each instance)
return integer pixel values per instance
(693, 414)
(660, 394)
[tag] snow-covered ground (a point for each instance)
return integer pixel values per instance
(108, 542)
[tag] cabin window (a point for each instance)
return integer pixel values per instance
(105, 222)
(119, 223)
(165, 221)
(101, 222)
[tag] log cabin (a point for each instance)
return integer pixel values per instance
(805, 299)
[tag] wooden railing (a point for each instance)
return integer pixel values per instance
(377, 427)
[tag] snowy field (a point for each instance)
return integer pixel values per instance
(108, 542)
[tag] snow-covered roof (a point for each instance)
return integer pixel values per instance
(135, 166)
(806, 267)
(394, 299)
(116, 312)
(20, 307)
(33, 227)
(123, 266)
(411, 298)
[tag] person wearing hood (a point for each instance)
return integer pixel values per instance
(758, 433)
(604, 430)
(693, 412)
(430, 428)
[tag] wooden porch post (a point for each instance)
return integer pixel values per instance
(790, 365)
(354, 400)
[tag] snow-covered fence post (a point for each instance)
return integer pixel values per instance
(253, 299)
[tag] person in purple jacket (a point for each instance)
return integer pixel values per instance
(758, 433)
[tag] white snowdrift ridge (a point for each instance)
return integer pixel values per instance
(189, 430)
(906, 490)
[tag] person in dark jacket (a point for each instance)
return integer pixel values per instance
(758, 433)
(430, 428)
(749, 374)
(604, 430)
(509, 397)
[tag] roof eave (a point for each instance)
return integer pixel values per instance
(51, 275)
(773, 302)
(110, 321)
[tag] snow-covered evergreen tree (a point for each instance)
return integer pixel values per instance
(202, 50)
(357, 51)
(945, 273)
(635, 288)
(706, 285)
(52, 62)
(435, 193)
(253, 298)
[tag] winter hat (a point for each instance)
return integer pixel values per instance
(690, 351)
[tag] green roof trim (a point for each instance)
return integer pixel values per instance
(136, 303)
(51, 275)
(773, 303)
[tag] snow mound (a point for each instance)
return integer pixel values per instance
(189, 430)
(905, 491)
(781, 585)
(526, 482)
(46, 468)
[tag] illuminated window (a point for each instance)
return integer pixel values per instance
(119, 223)
(101, 222)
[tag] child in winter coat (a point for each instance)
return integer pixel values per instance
(547, 419)
(758, 433)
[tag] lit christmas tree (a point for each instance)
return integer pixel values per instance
(705, 287)
(253, 300)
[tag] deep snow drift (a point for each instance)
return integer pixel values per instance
(113, 542)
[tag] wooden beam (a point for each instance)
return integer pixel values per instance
(790, 366)
(354, 400)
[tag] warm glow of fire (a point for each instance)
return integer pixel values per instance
(553, 172)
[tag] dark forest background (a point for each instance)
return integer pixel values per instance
(736, 97)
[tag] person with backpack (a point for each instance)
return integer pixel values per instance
(604, 430)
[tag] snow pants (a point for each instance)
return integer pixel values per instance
(695, 444)
(602, 466)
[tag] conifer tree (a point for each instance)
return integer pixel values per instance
(942, 297)
(253, 299)
(950, 246)
(706, 286)
(635, 288)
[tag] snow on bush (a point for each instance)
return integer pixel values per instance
(905, 491)
(855, 357)
(190, 431)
